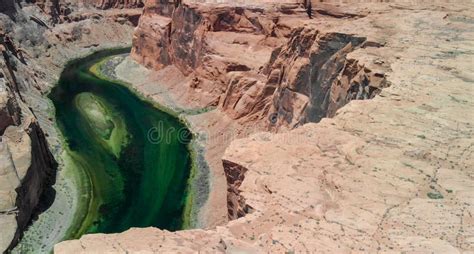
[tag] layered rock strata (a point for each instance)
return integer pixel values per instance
(59, 10)
(28, 167)
(235, 175)
(33, 52)
(392, 174)
(257, 63)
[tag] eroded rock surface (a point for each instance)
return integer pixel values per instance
(59, 11)
(258, 63)
(28, 168)
(391, 174)
(34, 48)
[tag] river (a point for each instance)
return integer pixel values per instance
(131, 160)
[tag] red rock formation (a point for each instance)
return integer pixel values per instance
(182, 37)
(59, 9)
(101, 4)
(9, 109)
(235, 175)
(106, 4)
(32, 54)
(285, 74)
(372, 179)
(313, 77)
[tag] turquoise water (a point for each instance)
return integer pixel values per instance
(134, 159)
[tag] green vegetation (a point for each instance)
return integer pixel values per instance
(125, 178)
(434, 195)
(421, 136)
(199, 168)
(109, 127)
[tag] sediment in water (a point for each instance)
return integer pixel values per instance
(135, 157)
(118, 176)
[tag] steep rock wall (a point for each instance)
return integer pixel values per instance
(179, 38)
(313, 77)
(37, 38)
(101, 4)
(58, 10)
(160, 42)
(235, 175)
(106, 4)
(35, 192)
(28, 168)
(258, 66)
(386, 175)
(8, 7)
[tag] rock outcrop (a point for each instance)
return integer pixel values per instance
(236, 205)
(28, 168)
(8, 7)
(313, 78)
(391, 174)
(32, 54)
(58, 6)
(58, 11)
(106, 4)
(34, 191)
(257, 63)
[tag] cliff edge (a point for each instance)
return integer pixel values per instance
(390, 174)
(37, 38)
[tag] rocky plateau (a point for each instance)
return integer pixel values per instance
(348, 132)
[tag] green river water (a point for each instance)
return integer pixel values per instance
(134, 159)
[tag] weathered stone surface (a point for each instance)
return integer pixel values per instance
(8, 7)
(106, 4)
(297, 72)
(32, 56)
(59, 6)
(35, 170)
(235, 175)
(202, 42)
(391, 174)
(59, 11)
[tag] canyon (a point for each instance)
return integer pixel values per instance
(107, 130)
(348, 132)
(256, 64)
(35, 48)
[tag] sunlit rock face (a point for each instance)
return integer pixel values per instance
(257, 63)
(391, 174)
(37, 38)
(386, 174)
(102, 4)
(28, 169)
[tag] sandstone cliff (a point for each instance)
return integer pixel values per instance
(33, 53)
(258, 64)
(391, 174)
(58, 11)
(28, 168)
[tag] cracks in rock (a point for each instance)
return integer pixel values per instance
(385, 216)
(13, 163)
(82, 244)
(13, 210)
